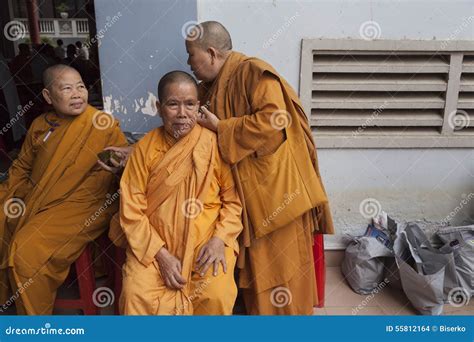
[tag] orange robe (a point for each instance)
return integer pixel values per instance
(176, 194)
(54, 189)
(264, 131)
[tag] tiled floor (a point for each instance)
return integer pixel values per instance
(341, 300)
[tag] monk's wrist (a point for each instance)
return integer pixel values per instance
(215, 124)
(161, 252)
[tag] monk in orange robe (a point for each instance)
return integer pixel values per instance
(263, 132)
(179, 214)
(52, 195)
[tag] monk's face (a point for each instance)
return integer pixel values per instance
(67, 94)
(203, 62)
(179, 108)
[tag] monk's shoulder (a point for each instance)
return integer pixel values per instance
(39, 120)
(210, 135)
(150, 139)
(39, 124)
(250, 73)
(254, 68)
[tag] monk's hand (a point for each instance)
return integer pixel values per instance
(170, 269)
(212, 253)
(207, 119)
(121, 152)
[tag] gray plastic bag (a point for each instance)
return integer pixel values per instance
(425, 292)
(461, 240)
(363, 264)
(427, 274)
(430, 260)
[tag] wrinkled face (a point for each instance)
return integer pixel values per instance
(179, 108)
(200, 62)
(67, 94)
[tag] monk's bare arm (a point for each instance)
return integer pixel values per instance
(241, 136)
(143, 239)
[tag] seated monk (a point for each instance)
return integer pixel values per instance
(179, 214)
(56, 199)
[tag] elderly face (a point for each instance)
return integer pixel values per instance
(179, 108)
(67, 94)
(200, 61)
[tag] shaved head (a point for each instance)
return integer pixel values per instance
(65, 90)
(211, 34)
(53, 73)
(174, 77)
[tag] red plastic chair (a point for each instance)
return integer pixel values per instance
(86, 277)
(86, 283)
(319, 266)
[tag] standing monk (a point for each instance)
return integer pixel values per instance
(53, 194)
(263, 132)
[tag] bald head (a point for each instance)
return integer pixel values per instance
(65, 90)
(211, 34)
(55, 72)
(174, 77)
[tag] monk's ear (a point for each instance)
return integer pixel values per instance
(47, 96)
(213, 53)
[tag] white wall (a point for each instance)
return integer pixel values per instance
(410, 184)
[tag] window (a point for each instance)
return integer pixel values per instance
(388, 93)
